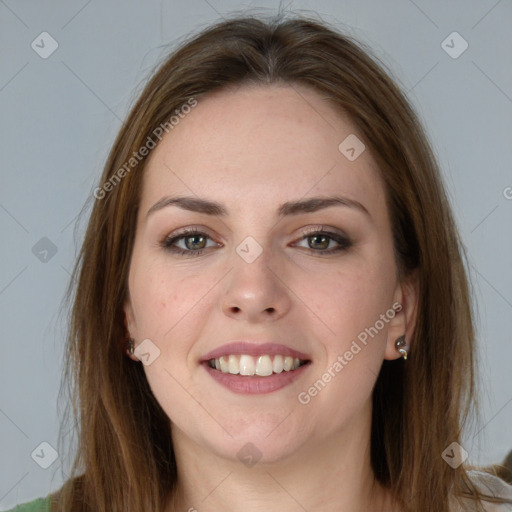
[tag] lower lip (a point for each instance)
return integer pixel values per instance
(249, 385)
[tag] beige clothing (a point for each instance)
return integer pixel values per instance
(492, 486)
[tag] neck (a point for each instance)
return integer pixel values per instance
(333, 473)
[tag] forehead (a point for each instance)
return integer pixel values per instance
(263, 144)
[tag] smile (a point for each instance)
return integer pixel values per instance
(262, 366)
(255, 367)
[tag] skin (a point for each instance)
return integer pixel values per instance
(253, 148)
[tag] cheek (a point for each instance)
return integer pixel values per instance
(352, 309)
(170, 309)
(164, 304)
(352, 299)
(161, 297)
(168, 385)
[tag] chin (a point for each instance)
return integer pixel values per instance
(261, 442)
(255, 451)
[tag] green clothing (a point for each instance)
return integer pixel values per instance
(39, 505)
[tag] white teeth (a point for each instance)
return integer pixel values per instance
(233, 365)
(262, 366)
(224, 368)
(278, 364)
(247, 366)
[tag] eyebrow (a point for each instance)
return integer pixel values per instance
(309, 205)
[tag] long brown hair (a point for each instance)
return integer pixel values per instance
(124, 460)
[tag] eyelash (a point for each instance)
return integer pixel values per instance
(343, 241)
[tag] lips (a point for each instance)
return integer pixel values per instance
(255, 368)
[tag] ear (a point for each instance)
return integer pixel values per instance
(404, 322)
(129, 323)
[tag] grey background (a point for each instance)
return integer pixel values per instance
(60, 116)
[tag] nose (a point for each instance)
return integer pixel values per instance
(256, 292)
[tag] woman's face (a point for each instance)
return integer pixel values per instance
(258, 273)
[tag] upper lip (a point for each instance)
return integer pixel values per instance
(254, 349)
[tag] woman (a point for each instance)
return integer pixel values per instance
(272, 309)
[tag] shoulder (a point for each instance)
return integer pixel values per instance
(491, 486)
(39, 505)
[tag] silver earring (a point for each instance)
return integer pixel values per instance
(400, 344)
(129, 346)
